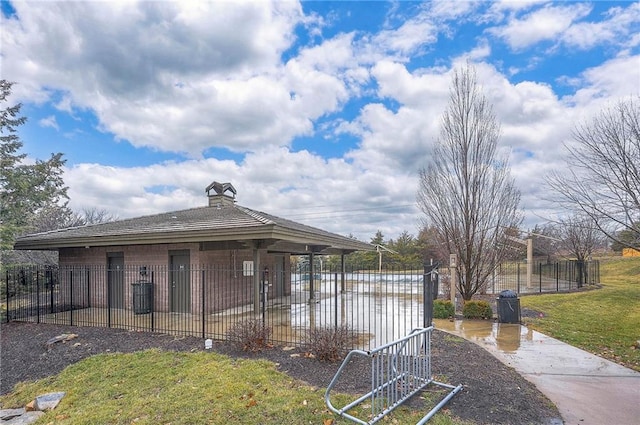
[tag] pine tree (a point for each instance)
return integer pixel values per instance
(25, 188)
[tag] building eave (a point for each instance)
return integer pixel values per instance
(299, 241)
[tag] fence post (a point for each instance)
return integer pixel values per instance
(7, 294)
(335, 302)
(343, 289)
(540, 275)
(108, 289)
(51, 283)
(88, 276)
(202, 273)
(71, 295)
(38, 294)
(580, 279)
(153, 301)
(518, 279)
(427, 294)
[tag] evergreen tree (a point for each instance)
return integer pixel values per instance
(26, 189)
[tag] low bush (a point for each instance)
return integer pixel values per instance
(477, 310)
(329, 343)
(443, 309)
(249, 335)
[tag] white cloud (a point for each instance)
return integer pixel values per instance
(49, 121)
(568, 25)
(618, 29)
(451, 10)
(297, 185)
(167, 65)
(542, 24)
(408, 38)
(613, 79)
(194, 76)
(535, 123)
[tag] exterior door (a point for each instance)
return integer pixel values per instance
(115, 280)
(179, 279)
(278, 276)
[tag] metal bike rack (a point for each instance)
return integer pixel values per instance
(399, 370)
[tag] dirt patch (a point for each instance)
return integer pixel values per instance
(493, 393)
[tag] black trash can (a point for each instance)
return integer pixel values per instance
(142, 297)
(508, 305)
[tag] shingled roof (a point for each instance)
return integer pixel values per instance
(224, 225)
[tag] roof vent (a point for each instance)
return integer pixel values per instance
(219, 196)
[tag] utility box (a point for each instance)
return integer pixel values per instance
(508, 305)
(142, 297)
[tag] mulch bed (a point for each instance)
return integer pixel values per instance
(493, 393)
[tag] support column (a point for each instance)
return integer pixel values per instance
(312, 271)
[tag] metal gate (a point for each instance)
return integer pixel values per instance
(399, 370)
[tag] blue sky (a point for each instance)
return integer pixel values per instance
(322, 112)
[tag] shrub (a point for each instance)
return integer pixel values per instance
(443, 309)
(329, 343)
(249, 335)
(477, 310)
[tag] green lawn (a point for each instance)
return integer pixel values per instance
(157, 387)
(602, 321)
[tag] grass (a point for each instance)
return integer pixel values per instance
(158, 387)
(603, 321)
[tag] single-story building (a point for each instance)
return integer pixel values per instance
(630, 252)
(224, 241)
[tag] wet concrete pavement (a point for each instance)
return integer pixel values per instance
(587, 389)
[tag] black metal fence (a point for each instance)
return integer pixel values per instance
(377, 306)
(207, 301)
(557, 276)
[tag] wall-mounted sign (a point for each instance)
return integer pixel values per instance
(247, 268)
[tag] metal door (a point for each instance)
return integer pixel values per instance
(278, 276)
(115, 280)
(180, 283)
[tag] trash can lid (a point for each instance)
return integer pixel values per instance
(508, 294)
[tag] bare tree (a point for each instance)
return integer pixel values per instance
(603, 181)
(52, 217)
(580, 238)
(95, 216)
(466, 191)
(61, 217)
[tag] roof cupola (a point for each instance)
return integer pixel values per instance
(218, 196)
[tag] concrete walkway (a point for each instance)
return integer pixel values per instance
(587, 389)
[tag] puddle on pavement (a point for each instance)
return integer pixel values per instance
(506, 337)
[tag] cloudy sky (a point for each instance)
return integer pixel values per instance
(321, 112)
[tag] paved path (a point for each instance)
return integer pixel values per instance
(587, 389)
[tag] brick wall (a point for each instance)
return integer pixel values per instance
(218, 274)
